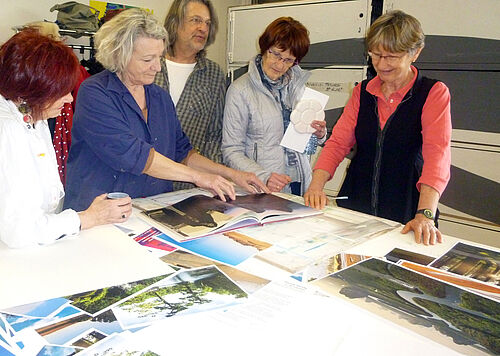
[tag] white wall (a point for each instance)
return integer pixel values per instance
(19, 12)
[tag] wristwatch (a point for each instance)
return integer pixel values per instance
(427, 213)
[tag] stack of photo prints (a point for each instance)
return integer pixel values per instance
(92, 322)
(453, 300)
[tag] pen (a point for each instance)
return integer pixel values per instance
(340, 198)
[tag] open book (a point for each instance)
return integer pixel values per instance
(200, 215)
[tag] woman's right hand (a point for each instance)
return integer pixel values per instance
(215, 183)
(105, 211)
(276, 182)
(315, 197)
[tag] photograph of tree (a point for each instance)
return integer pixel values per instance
(183, 259)
(462, 320)
(186, 292)
(471, 261)
(96, 301)
(120, 344)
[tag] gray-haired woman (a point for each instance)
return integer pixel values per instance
(126, 136)
(401, 123)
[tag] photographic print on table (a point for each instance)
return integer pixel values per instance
(230, 247)
(471, 261)
(329, 265)
(18, 322)
(464, 321)
(41, 309)
(87, 339)
(7, 350)
(119, 344)
(248, 282)
(185, 292)
(54, 350)
(399, 254)
(149, 239)
(475, 286)
(63, 332)
(97, 301)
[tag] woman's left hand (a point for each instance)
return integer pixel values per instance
(249, 181)
(319, 127)
(424, 230)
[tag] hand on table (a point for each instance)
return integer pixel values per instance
(315, 197)
(276, 182)
(105, 211)
(424, 230)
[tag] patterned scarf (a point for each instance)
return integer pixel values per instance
(279, 90)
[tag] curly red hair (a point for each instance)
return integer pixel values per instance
(37, 69)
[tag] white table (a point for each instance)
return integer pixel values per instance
(105, 256)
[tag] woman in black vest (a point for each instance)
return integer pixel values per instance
(401, 124)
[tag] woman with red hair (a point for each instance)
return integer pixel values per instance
(38, 74)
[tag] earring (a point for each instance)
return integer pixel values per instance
(25, 109)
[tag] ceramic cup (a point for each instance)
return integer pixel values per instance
(116, 195)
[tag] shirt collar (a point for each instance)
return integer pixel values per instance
(115, 84)
(374, 87)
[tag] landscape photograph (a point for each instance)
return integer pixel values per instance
(186, 292)
(464, 321)
(473, 262)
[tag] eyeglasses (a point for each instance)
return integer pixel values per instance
(390, 59)
(277, 57)
(198, 21)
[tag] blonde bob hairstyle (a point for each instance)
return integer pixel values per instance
(116, 38)
(395, 32)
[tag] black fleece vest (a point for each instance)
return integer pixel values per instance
(381, 179)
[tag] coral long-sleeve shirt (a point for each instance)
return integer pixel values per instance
(436, 130)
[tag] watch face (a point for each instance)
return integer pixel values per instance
(428, 214)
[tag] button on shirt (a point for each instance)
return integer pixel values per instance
(112, 141)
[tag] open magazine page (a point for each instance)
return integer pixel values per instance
(197, 216)
(166, 199)
(200, 215)
(299, 243)
(269, 208)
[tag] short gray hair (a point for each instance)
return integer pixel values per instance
(395, 32)
(116, 38)
(176, 16)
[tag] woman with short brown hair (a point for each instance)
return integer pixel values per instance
(258, 108)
